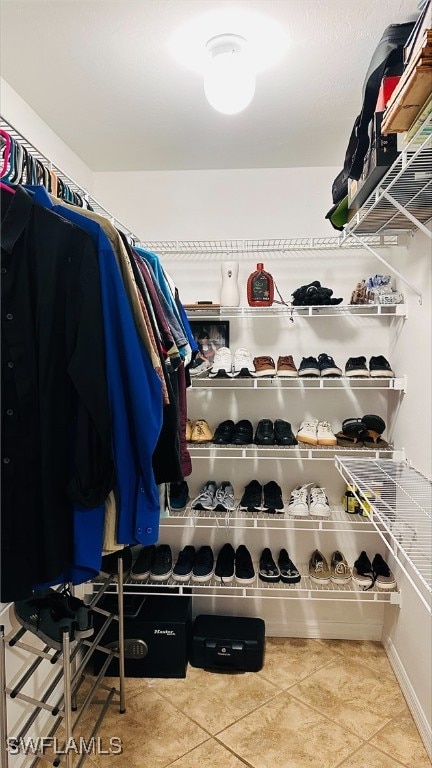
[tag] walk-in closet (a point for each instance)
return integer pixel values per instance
(216, 514)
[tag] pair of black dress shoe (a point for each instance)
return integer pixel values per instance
(266, 433)
(234, 434)
(279, 433)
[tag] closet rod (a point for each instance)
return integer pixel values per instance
(65, 178)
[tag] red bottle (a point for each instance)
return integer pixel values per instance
(260, 288)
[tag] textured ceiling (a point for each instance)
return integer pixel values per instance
(101, 74)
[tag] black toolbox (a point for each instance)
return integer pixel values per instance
(228, 643)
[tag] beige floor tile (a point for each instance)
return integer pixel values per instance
(289, 660)
(153, 732)
(217, 700)
(369, 757)
(208, 755)
(352, 695)
(401, 739)
(286, 732)
(366, 651)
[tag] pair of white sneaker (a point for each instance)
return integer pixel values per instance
(314, 432)
(304, 502)
(225, 362)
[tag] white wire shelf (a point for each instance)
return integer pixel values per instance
(191, 249)
(338, 520)
(401, 508)
(306, 589)
(409, 185)
(73, 185)
(278, 452)
(339, 310)
(203, 382)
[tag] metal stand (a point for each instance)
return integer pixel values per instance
(71, 673)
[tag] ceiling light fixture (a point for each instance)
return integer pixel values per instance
(229, 78)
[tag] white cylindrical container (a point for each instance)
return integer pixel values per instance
(230, 294)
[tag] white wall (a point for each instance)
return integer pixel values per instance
(410, 348)
(25, 120)
(201, 205)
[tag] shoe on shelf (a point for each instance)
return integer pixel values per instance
(222, 364)
(283, 434)
(325, 434)
(264, 366)
(244, 570)
(109, 565)
(199, 366)
(318, 502)
(201, 432)
(273, 502)
(383, 578)
(375, 426)
(268, 570)
(380, 368)
(340, 572)
(188, 432)
(288, 572)
(48, 618)
(319, 571)
(356, 367)
(243, 433)
(204, 565)
(264, 433)
(83, 626)
(362, 571)
(206, 497)
(224, 498)
(286, 367)
(178, 495)
(328, 366)
(299, 501)
(308, 432)
(309, 367)
(252, 498)
(243, 367)
(183, 568)
(348, 441)
(161, 567)
(225, 564)
(224, 432)
(142, 566)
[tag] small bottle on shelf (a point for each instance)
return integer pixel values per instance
(260, 288)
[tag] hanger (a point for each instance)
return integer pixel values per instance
(6, 151)
(8, 189)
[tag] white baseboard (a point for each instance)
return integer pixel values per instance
(420, 719)
(325, 630)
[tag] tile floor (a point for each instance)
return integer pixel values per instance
(315, 704)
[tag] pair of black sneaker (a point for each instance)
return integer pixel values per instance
(153, 562)
(50, 613)
(322, 366)
(262, 498)
(236, 564)
(284, 571)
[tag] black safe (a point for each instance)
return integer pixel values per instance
(228, 643)
(158, 632)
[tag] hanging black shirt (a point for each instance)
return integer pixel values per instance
(56, 441)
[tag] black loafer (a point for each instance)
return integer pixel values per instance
(264, 434)
(243, 433)
(283, 433)
(224, 432)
